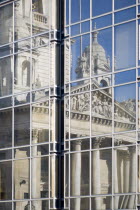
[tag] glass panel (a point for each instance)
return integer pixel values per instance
(75, 10)
(125, 170)
(125, 46)
(66, 109)
(40, 67)
(80, 86)
(22, 152)
(79, 174)
(75, 29)
(42, 40)
(22, 99)
(102, 21)
(6, 50)
(125, 15)
(6, 24)
(125, 202)
(40, 176)
(101, 169)
(22, 179)
(66, 168)
(125, 107)
(40, 95)
(6, 102)
(99, 8)
(6, 180)
(85, 26)
(22, 63)
(54, 179)
(82, 203)
(120, 4)
(138, 168)
(21, 205)
(125, 139)
(40, 205)
(40, 122)
(101, 51)
(101, 102)
(6, 128)
(80, 67)
(22, 19)
(101, 203)
(5, 154)
(85, 9)
(101, 82)
(80, 115)
(22, 46)
(22, 125)
(67, 59)
(40, 150)
(67, 12)
(103, 141)
(6, 206)
(125, 76)
(85, 144)
(41, 19)
(6, 71)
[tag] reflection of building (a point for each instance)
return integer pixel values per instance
(95, 165)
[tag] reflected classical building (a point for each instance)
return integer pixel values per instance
(96, 98)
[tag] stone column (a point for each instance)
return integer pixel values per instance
(36, 171)
(132, 175)
(126, 169)
(96, 185)
(76, 175)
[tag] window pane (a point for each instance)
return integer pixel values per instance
(125, 107)
(125, 46)
(6, 24)
(120, 4)
(22, 179)
(125, 15)
(82, 203)
(125, 201)
(75, 10)
(101, 171)
(6, 72)
(101, 57)
(6, 180)
(125, 170)
(85, 9)
(102, 203)
(40, 205)
(99, 8)
(6, 128)
(102, 21)
(40, 177)
(126, 76)
(79, 172)
(22, 125)
(101, 111)
(22, 19)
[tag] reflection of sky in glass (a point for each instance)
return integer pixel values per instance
(125, 92)
(75, 10)
(75, 29)
(125, 15)
(125, 45)
(102, 21)
(123, 3)
(67, 12)
(85, 26)
(126, 76)
(101, 6)
(85, 9)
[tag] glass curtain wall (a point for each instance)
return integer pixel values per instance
(101, 105)
(29, 135)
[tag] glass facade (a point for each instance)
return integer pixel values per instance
(69, 104)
